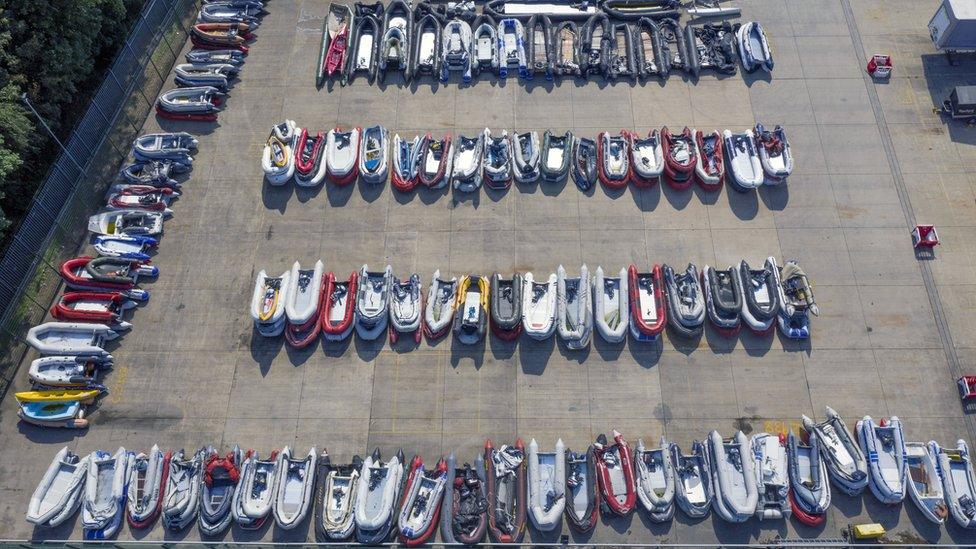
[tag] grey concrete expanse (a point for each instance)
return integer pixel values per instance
(192, 372)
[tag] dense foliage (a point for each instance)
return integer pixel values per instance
(55, 51)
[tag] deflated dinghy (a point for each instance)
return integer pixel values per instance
(686, 301)
(615, 472)
(539, 307)
(710, 163)
(744, 163)
(293, 497)
(466, 174)
(884, 445)
(613, 159)
(373, 302)
(335, 496)
(565, 49)
(148, 476)
(165, 146)
(463, 514)
(220, 478)
(181, 499)
(526, 155)
(70, 338)
(674, 51)
(341, 155)
(125, 247)
(621, 60)
(100, 307)
(760, 296)
(364, 48)
(505, 470)
(126, 222)
(582, 490)
(679, 157)
(539, 50)
(456, 50)
(302, 305)
(555, 156)
(846, 463)
(772, 476)
(809, 487)
(646, 158)
(611, 305)
(723, 298)
(268, 303)
(711, 46)
(693, 480)
(654, 480)
(335, 42)
(338, 306)
(376, 500)
(373, 154)
(67, 371)
(733, 477)
(650, 60)
(775, 154)
(585, 168)
(547, 486)
(594, 45)
(484, 54)
(441, 301)
(104, 497)
(394, 54)
(310, 164)
(796, 301)
(406, 163)
(471, 310)
(200, 104)
(574, 308)
(278, 156)
(754, 48)
(924, 484)
(497, 163)
(958, 481)
(406, 308)
(256, 491)
(511, 48)
(506, 306)
(427, 46)
(647, 307)
(436, 161)
(422, 499)
(59, 494)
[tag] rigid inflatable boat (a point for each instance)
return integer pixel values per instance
(59, 493)
(565, 49)
(68, 414)
(484, 53)
(506, 306)
(70, 338)
(796, 301)
(772, 476)
(775, 154)
(466, 173)
(406, 163)
(497, 162)
(203, 57)
(373, 302)
(103, 504)
(302, 305)
(218, 75)
(406, 308)
(67, 371)
(709, 161)
(654, 480)
(278, 156)
(439, 309)
(220, 477)
(471, 309)
(646, 158)
(126, 222)
(958, 481)
(218, 36)
(219, 12)
(373, 154)
(674, 51)
(884, 445)
(422, 499)
(335, 498)
(341, 155)
(505, 478)
(547, 486)
(376, 500)
(679, 157)
(621, 59)
(844, 459)
(585, 168)
(199, 104)
(364, 48)
(181, 498)
(463, 513)
(754, 48)
(574, 308)
(165, 146)
(594, 45)
(743, 160)
(526, 154)
(613, 159)
(268, 303)
(711, 46)
(647, 306)
(426, 53)
(611, 305)
(125, 247)
(693, 480)
(539, 306)
(924, 485)
(809, 487)
(456, 50)
(511, 48)
(436, 161)
(293, 491)
(723, 298)
(254, 497)
(686, 301)
(310, 164)
(582, 490)
(153, 172)
(338, 310)
(100, 307)
(649, 52)
(333, 51)
(733, 477)
(555, 156)
(539, 50)
(615, 473)
(760, 296)
(142, 197)
(394, 53)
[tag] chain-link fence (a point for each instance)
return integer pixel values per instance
(55, 226)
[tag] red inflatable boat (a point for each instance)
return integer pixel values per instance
(102, 307)
(509, 504)
(615, 471)
(336, 311)
(301, 336)
(417, 474)
(647, 313)
(145, 523)
(679, 158)
(710, 163)
(106, 273)
(142, 197)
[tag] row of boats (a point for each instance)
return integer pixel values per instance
(768, 476)
(751, 158)
(612, 38)
(304, 303)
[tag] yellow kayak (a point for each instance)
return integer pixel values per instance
(58, 395)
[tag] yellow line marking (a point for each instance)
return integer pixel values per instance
(115, 394)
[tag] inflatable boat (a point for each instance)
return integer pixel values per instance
(565, 49)
(772, 476)
(613, 159)
(650, 60)
(621, 59)
(333, 51)
(373, 154)
(219, 36)
(497, 163)
(884, 445)
(338, 309)
(675, 55)
(70, 338)
(647, 307)
(103, 503)
(539, 306)
(364, 49)
(809, 487)
(711, 46)
(218, 75)
(845, 461)
(467, 173)
(654, 480)
(268, 303)
(181, 499)
(378, 493)
(582, 490)
(394, 52)
(336, 488)
(471, 309)
(67, 371)
(555, 156)
(506, 306)
(733, 477)
(511, 48)
(142, 197)
(218, 12)
(125, 247)
(278, 156)
(59, 493)
(422, 499)
(373, 302)
(164, 146)
(958, 482)
(615, 473)
(463, 514)
(539, 50)
(924, 485)
(594, 45)
(126, 222)
(505, 478)
(585, 169)
(484, 53)
(611, 305)
(67, 415)
(775, 154)
(546, 486)
(796, 301)
(157, 173)
(436, 161)
(199, 104)
(646, 158)
(220, 477)
(255, 494)
(99, 307)
(439, 309)
(574, 308)
(406, 163)
(760, 296)
(743, 160)
(456, 50)
(310, 164)
(526, 154)
(693, 480)
(709, 162)
(679, 158)
(341, 155)
(302, 305)
(293, 490)
(406, 308)
(426, 53)
(723, 299)
(754, 48)
(686, 301)
(203, 57)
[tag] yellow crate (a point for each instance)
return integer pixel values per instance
(868, 531)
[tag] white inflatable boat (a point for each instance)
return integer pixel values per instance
(546, 485)
(574, 308)
(278, 155)
(293, 497)
(654, 477)
(103, 507)
(70, 338)
(59, 494)
(539, 307)
(611, 305)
